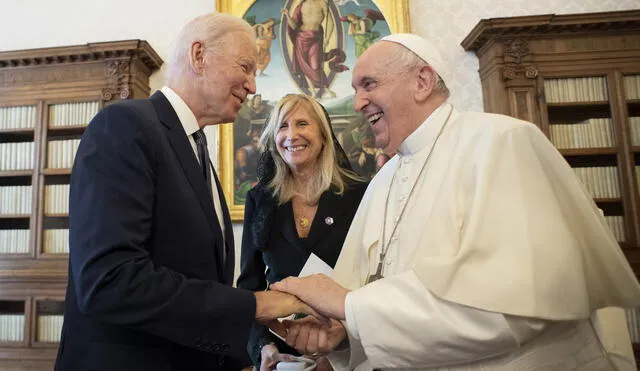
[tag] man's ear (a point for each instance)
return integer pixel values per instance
(196, 57)
(426, 83)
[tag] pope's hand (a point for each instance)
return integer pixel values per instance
(320, 292)
(309, 336)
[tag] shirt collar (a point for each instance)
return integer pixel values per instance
(185, 115)
(425, 135)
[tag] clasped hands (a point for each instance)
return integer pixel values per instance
(316, 295)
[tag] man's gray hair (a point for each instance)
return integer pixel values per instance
(209, 29)
(406, 60)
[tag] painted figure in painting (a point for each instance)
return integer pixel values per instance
(344, 2)
(252, 116)
(310, 26)
(361, 29)
(264, 37)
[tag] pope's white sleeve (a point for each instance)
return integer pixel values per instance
(397, 322)
(348, 359)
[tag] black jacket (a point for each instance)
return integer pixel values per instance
(270, 241)
(148, 288)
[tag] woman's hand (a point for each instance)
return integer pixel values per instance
(271, 356)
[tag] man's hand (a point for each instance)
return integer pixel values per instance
(318, 291)
(273, 304)
(308, 336)
(270, 356)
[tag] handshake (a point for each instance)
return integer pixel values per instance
(315, 335)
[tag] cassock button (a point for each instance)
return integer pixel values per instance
(328, 220)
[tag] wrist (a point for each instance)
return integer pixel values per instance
(260, 298)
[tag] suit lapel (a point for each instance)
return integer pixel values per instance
(330, 210)
(228, 249)
(180, 144)
(288, 229)
(330, 206)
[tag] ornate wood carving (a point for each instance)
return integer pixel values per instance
(118, 75)
(515, 50)
(550, 25)
(516, 60)
(109, 64)
(83, 53)
(25, 76)
(522, 103)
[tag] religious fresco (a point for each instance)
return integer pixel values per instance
(309, 47)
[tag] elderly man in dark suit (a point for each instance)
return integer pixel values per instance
(151, 243)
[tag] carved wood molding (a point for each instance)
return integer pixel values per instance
(68, 73)
(547, 25)
(110, 67)
(82, 53)
(118, 75)
(517, 63)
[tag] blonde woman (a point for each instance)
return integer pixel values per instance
(304, 202)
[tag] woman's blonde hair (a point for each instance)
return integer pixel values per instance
(329, 174)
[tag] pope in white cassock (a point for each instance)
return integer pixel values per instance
(475, 246)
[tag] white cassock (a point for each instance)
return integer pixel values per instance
(499, 261)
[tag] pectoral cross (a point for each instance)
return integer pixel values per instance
(377, 275)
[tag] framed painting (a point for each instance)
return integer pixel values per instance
(292, 36)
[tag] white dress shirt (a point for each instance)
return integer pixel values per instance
(190, 126)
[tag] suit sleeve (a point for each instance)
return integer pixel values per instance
(252, 277)
(111, 219)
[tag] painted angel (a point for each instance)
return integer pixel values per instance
(264, 37)
(361, 29)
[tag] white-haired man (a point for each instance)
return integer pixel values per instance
(474, 248)
(151, 243)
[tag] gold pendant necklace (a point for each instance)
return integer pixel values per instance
(304, 222)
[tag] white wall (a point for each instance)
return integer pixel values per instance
(42, 23)
(447, 23)
(30, 24)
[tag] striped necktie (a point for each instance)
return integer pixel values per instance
(203, 154)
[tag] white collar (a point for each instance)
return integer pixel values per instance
(425, 135)
(185, 115)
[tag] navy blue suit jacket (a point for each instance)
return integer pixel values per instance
(148, 287)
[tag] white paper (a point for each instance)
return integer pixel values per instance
(313, 265)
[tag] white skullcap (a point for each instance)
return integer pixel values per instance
(423, 49)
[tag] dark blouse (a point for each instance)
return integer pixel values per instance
(272, 249)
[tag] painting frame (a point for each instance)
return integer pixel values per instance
(396, 14)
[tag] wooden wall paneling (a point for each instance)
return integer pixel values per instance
(102, 72)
